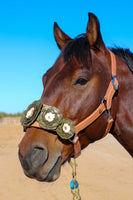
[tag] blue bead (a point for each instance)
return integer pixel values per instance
(74, 186)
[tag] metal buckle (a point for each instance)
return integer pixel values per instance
(115, 82)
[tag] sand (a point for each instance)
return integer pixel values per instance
(105, 171)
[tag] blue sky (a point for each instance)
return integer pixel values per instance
(28, 48)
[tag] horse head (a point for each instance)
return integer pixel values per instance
(76, 85)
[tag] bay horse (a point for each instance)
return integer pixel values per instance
(75, 87)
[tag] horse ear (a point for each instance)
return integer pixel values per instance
(60, 37)
(93, 32)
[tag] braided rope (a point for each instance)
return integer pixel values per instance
(74, 185)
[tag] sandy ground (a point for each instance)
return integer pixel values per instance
(105, 172)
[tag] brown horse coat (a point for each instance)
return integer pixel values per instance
(76, 84)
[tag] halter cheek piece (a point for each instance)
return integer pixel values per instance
(50, 118)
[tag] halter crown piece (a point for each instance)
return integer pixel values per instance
(50, 118)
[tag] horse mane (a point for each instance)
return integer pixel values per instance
(126, 55)
(79, 48)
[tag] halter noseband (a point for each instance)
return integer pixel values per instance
(49, 117)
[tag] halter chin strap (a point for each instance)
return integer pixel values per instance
(104, 106)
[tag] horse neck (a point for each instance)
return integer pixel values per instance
(123, 108)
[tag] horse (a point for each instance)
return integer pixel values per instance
(90, 87)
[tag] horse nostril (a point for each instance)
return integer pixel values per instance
(38, 156)
(24, 162)
(34, 159)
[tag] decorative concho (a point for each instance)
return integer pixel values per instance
(49, 118)
(31, 113)
(66, 129)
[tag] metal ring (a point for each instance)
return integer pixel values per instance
(113, 80)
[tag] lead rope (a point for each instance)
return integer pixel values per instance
(74, 185)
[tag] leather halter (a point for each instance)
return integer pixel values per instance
(104, 106)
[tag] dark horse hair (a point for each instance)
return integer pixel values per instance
(125, 55)
(80, 49)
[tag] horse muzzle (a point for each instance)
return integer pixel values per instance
(34, 164)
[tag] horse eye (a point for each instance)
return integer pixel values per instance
(80, 81)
